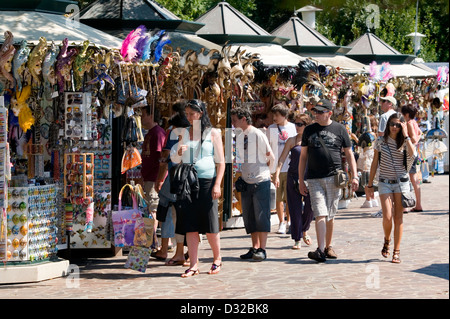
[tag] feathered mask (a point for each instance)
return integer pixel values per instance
(308, 74)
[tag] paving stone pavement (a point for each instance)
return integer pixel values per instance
(360, 272)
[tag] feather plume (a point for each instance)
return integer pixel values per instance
(163, 40)
(386, 71)
(373, 70)
(148, 45)
(140, 46)
(128, 49)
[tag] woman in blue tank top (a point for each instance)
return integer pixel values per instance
(203, 146)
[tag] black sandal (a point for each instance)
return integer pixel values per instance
(215, 269)
(385, 250)
(396, 256)
(190, 273)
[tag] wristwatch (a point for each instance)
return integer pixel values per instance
(357, 178)
(407, 138)
(369, 186)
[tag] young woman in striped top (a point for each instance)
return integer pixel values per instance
(394, 154)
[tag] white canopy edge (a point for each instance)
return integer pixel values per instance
(31, 25)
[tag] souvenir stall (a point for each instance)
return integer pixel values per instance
(56, 116)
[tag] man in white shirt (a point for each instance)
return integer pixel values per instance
(256, 157)
(388, 106)
(278, 133)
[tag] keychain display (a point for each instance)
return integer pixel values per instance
(32, 223)
(79, 187)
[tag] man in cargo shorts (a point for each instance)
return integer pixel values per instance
(321, 171)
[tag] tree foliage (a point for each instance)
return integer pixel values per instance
(343, 21)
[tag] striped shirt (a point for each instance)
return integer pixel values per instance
(392, 167)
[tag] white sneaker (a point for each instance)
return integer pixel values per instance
(282, 228)
(378, 214)
(374, 203)
(367, 204)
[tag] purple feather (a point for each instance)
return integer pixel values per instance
(140, 46)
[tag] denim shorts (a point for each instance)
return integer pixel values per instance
(386, 188)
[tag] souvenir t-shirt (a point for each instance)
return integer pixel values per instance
(335, 137)
(151, 153)
(278, 136)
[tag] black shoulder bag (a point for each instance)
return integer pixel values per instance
(184, 178)
(341, 177)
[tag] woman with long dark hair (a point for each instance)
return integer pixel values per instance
(394, 154)
(202, 145)
(301, 214)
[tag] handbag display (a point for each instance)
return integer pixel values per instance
(341, 177)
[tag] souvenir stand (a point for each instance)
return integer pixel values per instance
(56, 117)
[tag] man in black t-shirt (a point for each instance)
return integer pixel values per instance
(320, 173)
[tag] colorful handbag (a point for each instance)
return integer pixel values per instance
(141, 230)
(138, 259)
(124, 221)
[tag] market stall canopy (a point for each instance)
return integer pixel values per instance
(347, 65)
(270, 54)
(369, 48)
(409, 70)
(303, 39)
(120, 17)
(129, 14)
(224, 23)
(239, 31)
(31, 25)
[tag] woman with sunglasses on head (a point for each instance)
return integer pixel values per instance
(394, 154)
(202, 145)
(301, 216)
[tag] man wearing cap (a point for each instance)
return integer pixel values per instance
(320, 165)
(388, 105)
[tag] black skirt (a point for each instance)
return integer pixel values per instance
(202, 213)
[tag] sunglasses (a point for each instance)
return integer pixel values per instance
(319, 112)
(397, 125)
(300, 124)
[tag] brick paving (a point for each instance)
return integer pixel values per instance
(360, 272)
